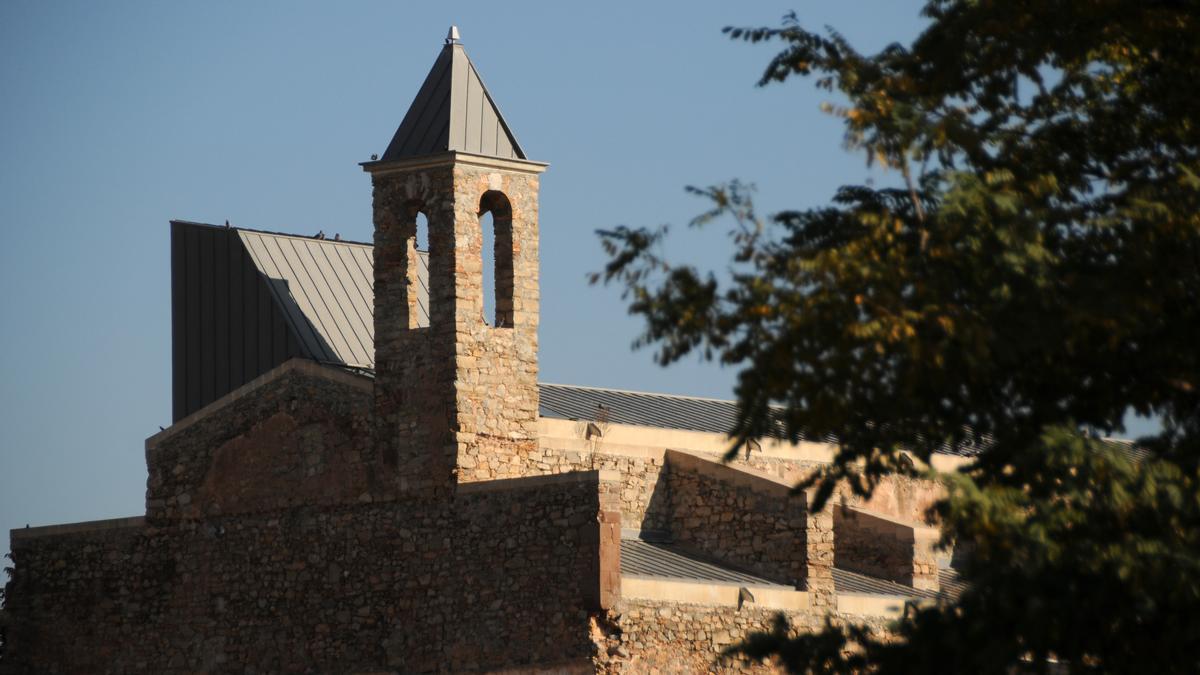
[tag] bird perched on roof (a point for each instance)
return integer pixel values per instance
(319, 235)
(337, 236)
(226, 222)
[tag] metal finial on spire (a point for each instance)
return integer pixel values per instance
(452, 36)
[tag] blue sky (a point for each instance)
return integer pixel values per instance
(118, 116)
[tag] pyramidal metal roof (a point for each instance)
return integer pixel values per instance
(453, 111)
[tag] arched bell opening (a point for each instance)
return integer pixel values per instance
(495, 221)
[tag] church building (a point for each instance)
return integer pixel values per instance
(365, 474)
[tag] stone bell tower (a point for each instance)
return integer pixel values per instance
(456, 396)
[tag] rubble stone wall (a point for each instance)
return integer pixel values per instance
(738, 518)
(638, 452)
(456, 401)
(885, 548)
(647, 637)
(414, 364)
(889, 540)
(298, 435)
(644, 494)
(505, 575)
(900, 497)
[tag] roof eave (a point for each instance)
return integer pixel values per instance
(382, 167)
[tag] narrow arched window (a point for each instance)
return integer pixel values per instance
(495, 220)
(421, 233)
(418, 273)
(487, 281)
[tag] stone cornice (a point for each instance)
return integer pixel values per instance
(380, 167)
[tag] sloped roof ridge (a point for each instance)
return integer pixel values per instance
(274, 233)
(512, 136)
(641, 393)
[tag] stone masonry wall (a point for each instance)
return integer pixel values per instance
(658, 637)
(909, 542)
(651, 499)
(497, 366)
(644, 499)
(298, 435)
(644, 494)
(414, 365)
(885, 548)
(461, 391)
(900, 497)
(887, 541)
(503, 576)
(758, 527)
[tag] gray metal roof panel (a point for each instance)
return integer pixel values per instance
(845, 581)
(280, 280)
(356, 288)
(638, 408)
(313, 285)
(425, 127)
(352, 326)
(325, 292)
(643, 558)
(669, 561)
(950, 582)
(453, 110)
(325, 289)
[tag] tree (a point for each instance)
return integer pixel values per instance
(1031, 276)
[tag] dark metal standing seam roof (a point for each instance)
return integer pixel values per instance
(453, 110)
(227, 328)
(245, 301)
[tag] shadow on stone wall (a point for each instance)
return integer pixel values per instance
(659, 511)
